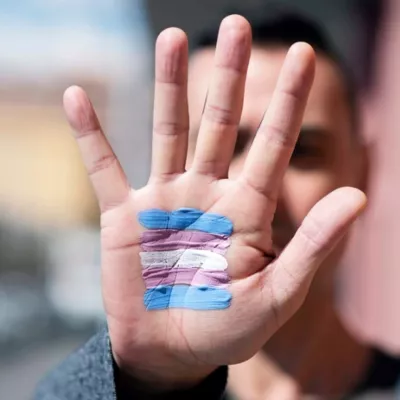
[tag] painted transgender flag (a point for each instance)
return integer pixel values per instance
(183, 259)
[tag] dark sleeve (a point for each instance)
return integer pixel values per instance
(91, 374)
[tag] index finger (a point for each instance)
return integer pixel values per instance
(273, 145)
(108, 179)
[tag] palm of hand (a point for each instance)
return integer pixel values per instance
(265, 291)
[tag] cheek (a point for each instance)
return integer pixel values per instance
(301, 190)
(236, 166)
(191, 149)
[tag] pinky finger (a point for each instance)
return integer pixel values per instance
(105, 172)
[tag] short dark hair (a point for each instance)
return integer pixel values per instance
(278, 26)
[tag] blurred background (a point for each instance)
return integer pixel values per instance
(50, 298)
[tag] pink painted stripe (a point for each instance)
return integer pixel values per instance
(184, 276)
(169, 239)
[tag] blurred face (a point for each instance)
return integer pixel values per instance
(327, 155)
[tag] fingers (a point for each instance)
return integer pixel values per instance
(223, 108)
(171, 119)
(273, 145)
(105, 172)
(327, 222)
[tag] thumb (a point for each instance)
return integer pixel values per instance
(327, 222)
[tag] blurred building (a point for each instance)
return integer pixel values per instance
(51, 45)
(49, 240)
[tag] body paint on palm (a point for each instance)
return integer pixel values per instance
(183, 259)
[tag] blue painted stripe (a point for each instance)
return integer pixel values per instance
(186, 219)
(183, 296)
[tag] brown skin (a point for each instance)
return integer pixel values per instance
(328, 155)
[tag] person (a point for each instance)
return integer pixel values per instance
(286, 205)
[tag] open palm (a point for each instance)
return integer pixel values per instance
(265, 291)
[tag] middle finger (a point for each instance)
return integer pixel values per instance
(223, 108)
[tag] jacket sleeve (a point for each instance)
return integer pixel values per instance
(91, 374)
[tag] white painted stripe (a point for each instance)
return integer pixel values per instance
(184, 258)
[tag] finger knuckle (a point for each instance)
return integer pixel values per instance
(102, 163)
(219, 115)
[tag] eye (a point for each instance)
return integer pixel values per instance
(306, 150)
(244, 138)
(311, 152)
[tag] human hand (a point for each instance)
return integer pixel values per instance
(260, 378)
(235, 311)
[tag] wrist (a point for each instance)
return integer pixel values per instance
(155, 380)
(210, 387)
